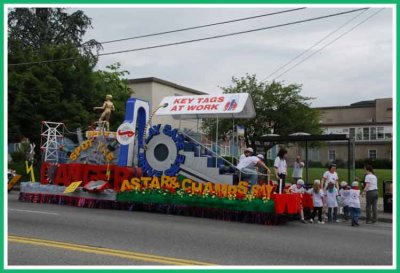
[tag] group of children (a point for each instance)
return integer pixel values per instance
(347, 197)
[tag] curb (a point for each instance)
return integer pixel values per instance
(383, 220)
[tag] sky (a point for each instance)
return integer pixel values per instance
(357, 66)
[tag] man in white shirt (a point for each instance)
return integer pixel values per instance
(248, 167)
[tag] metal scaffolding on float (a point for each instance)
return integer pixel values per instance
(52, 137)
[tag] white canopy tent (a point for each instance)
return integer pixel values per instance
(238, 105)
(232, 106)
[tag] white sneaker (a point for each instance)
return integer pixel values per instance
(311, 221)
(321, 222)
(337, 221)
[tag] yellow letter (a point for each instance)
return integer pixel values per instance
(73, 156)
(198, 188)
(269, 189)
(243, 187)
(165, 181)
(174, 182)
(232, 189)
(155, 183)
(209, 187)
(135, 183)
(145, 181)
(85, 145)
(255, 189)
(125, 186)
(109, 157)
(221, 189)
(184, 181)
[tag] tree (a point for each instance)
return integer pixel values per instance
(60, 91)
(279, 109)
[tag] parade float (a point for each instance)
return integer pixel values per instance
(155, 168)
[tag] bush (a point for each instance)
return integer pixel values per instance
(376, 163)
(340, 163)
(315, 164)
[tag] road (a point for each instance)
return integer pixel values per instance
(43, 234)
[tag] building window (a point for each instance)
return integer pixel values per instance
(314, 154)
(366, 133)
(332, 155)
(373, 133)
(352, 132)
(380, 133)
(372, 154)
(359, 134)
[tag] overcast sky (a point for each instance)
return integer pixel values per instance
(358, 66)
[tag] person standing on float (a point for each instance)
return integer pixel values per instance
(280, 167)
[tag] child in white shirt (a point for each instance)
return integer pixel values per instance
(354, 203)
(331, 201)
(299, 188)
(344, 193)
(318, 201)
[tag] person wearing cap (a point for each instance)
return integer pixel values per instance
(299, 188)
(330, 175)
(247, 152)
(280, 167)
(344, 194)
(354, 203)
(318, 201)
(248, 167)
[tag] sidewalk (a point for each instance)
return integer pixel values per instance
(382, 216)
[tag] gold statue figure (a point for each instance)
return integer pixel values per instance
(108, 106)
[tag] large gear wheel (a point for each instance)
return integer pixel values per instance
(161, 154)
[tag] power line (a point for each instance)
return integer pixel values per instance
(203, 39)
(328, 44)
(201, 26)
(314, 45)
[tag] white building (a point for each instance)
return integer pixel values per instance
(154, 90)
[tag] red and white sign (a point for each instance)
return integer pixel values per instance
(237, 105)
(125, 133)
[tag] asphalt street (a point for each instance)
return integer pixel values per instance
(43, 234)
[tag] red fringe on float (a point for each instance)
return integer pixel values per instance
(212, 213)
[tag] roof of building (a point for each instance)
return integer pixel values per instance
(359, 104)
(164, 82)
(364, 103)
